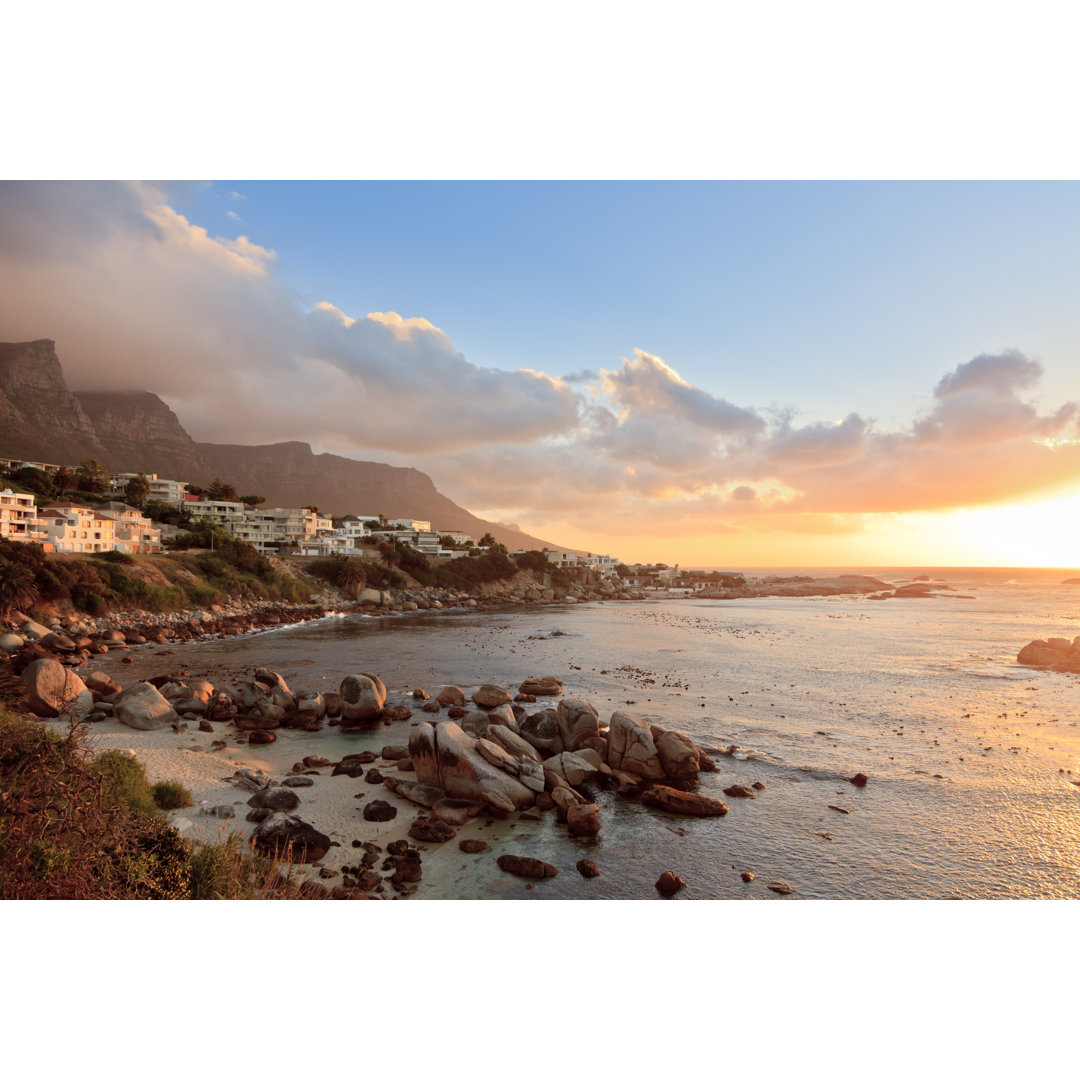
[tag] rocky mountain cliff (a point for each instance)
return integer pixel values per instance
(41, 419)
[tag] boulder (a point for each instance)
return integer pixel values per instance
(669, 884)
(679, 756)
(583, 820)
(660, 797)
(541, 730)
(362, 699)
(548, 686)
(738, 791)
(587, 868)
(572, 768)
(446, 757)
(57, 642)
(631, 748)
(523, 866)
(259, 738)
(379, 810)
(54, 690)
(489, 696)
(431, 830)
(451, 695)
(221, 708)
(142, 707)
(11, 643)
(421, 794)
(513, 743)
(279, 800)
(284, 836)
(578, 722)
(97, 682)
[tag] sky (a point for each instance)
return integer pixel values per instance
(722, 373)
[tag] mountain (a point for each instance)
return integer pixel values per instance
(41, 419)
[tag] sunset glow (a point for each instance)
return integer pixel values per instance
(720, 402)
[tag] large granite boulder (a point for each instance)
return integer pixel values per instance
(489, 696)
(362, 699)
(679, 757)
(631, 748)
(512, 743)
(548, 686)
(451, 695)
(578, 723)
(1057, 653)
(142, 706)
(54, 690)
(446, 757)
(573, 769)
(541, 730)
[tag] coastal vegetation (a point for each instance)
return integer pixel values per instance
(78, 827)
(110, 581)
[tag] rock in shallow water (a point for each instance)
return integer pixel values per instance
(523, 866)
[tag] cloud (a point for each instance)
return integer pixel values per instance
(139, 297)
(234, 215)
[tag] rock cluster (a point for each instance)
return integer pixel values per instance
(1056, 653)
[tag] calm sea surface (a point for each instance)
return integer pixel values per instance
(969, 756)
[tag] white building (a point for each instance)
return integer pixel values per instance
(19, 518)
(562, 558)
(411, 524)
(77, 529)
(135, 533)
(173, 492)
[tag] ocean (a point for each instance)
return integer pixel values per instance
(970, 758)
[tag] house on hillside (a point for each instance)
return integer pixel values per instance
(173, 492)
(135, 533)
(19, 519)
(78, 529)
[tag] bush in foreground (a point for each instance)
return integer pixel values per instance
(170, 795)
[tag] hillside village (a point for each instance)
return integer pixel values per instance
(84, 509)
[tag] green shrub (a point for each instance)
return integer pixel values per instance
(115, 557)
(125, 782)
(170, 795)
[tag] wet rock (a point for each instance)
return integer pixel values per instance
(430, 830)
(421, 794)
(316, 761)
(660, 797)
(584, 819)
(379, 810)
(839, 809)
(489, 696)
(348, 767)
(578, 723)
(474, 847)
(373, 777)
(451, 695)
(285, 836)
(668, 884)
(523, 866)
(362, 699)
(205, 725)
(261, 738)
(455, 811)
(747, 876)
(757, 785)
(587, 868)
(275, 799)
(781, 887)
(394, 753)
(548, 686)
(297, 781)
(859, 779)
(420, 695)
(737, 791)
(631, 748)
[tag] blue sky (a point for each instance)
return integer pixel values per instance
(788, 373)
(785, 293)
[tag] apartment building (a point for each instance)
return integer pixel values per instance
(77, 529)
(19, 518)
(173, 492)
(135, 534)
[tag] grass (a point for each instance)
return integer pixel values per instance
(78, 827)
(170, 795)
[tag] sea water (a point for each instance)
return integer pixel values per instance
(970, 758)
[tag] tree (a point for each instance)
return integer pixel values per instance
(389, 551)
(219, 491)
(18, 589)
(252, 500)
(91, 477)
(36, 481)
(487, 540)
(137, 490)
(350, 578)
(65, 480)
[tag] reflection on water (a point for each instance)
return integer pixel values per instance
(969, 756)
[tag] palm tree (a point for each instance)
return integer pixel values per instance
(64, 478)
(389, 552)
(18, 590)
(350, 578)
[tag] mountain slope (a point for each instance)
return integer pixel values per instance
(42, 420)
